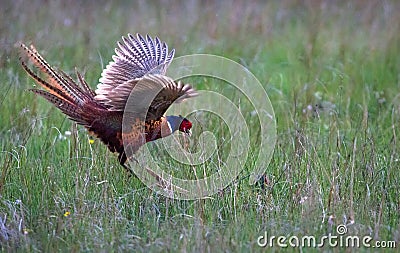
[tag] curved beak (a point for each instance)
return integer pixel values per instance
(188, 132)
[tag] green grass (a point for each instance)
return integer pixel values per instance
(341, 161)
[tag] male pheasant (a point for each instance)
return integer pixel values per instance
(138, 71)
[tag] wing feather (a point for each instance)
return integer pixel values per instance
(152, 93)
(134, 58)
(152, 47)
(160, 92)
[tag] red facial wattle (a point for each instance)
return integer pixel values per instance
(185, 126)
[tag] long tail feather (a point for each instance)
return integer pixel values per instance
(84, 84)
(73, 99)
(68, 108)
(55, 80)
(51, 89)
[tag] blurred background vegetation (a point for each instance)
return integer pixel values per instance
(330, 68)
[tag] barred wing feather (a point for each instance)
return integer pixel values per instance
(134, 58)
(152, 93)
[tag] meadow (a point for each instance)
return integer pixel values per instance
(330, 68)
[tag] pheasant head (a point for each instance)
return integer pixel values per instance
(180, 123)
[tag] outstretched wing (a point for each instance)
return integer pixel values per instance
(171, 92)
(152, 94)
(134, 57)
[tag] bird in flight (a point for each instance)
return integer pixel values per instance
(135, 74)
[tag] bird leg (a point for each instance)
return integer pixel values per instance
(122, 160)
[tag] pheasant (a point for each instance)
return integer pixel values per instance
(138, 71)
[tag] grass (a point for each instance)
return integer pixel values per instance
(331, 71)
